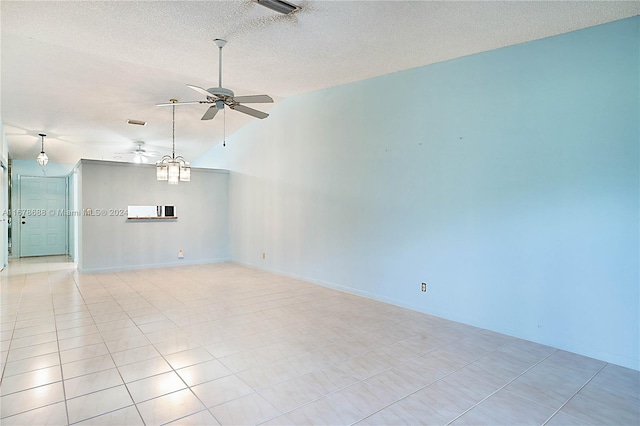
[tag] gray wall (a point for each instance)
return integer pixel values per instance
(112, 242)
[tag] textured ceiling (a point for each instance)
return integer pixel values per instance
(78, 70)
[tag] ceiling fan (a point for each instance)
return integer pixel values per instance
(140, 155)
(219, 96)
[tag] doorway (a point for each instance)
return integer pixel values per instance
(43, 224)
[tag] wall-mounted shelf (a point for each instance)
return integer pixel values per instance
(151, 213)
(154, 218)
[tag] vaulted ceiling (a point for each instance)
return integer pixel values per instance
(78, 70)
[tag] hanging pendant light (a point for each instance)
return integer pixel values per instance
(171, 168)
(42, 157)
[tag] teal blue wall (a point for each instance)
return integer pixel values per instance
(32, 168)
(507, 180)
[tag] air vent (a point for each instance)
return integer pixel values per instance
(137, 122)
(280, 6)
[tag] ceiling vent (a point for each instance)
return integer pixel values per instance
(137, 122)
(280, 6)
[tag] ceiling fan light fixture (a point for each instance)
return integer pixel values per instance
(280, 6)
(162, 172)
(185, 172)
(42, 157)
(174, 173)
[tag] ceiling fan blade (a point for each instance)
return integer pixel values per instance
(200, 90)
(211, 112)
(250, 111)
(139, 153)
(253, 99)
(181, 103)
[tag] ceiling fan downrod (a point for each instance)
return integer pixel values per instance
(220, 43)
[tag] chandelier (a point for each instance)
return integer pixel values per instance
(171, 168)
(42, 157)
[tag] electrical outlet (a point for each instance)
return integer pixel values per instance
(264, 255)
(424, 287)
(180, 254)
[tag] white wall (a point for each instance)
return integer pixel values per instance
(4, 149)
(112, 242)
(4, 197)
(73, 221)
(508, 181)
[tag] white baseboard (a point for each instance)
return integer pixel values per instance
(152, 265)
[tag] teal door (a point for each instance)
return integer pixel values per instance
(43, 224)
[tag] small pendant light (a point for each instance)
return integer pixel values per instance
(42, 157)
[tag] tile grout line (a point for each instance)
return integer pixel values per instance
(199, 338)
(453, 372)
(110, 356)
(323, 395)
(575, 393)
(59, 359)
(55, 323)
(13, 330)
(173, 369)
(434, 381)
(207, 409)
(163, 356)
(233, 373)
(500, 388)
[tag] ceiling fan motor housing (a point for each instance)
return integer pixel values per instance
(220, 92)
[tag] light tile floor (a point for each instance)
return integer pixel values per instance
(225, 344)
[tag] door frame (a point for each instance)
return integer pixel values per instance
(66, 207)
